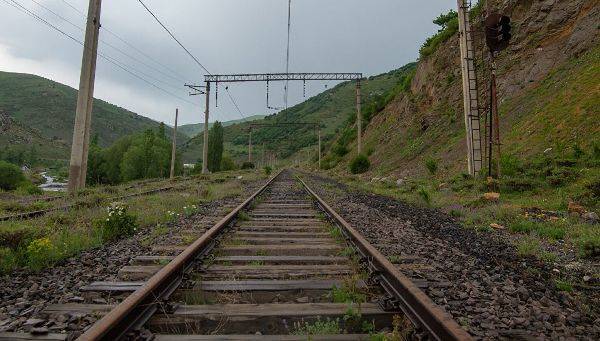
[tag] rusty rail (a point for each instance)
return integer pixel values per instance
(403, 293)
(136, 309)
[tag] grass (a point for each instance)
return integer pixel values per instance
(349, 292)
(563, 285)
(319, 327)
(41, 242)
(530, 204)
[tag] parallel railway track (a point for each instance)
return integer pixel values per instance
(263, 272)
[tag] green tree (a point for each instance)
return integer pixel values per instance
(444, 19)
(11, 176)
(161, 131)
(95, 165)
(215, 147)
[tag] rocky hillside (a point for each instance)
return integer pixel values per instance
(48, 109)
(548, 88)
(25, 141)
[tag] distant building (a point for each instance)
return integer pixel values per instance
(189, 165)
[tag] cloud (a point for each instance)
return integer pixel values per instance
(228, 36)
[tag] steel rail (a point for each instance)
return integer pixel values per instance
(137, 308)
(404, 294)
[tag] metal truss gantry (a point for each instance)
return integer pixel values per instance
(269, 77)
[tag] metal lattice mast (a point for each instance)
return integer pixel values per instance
(470, 89)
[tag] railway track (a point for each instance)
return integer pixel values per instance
(276, 267)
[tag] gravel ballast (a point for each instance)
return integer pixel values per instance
(477, 278)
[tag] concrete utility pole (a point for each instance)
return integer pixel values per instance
(174, 148)
(205, 146)
(470, 89)
(319, 148)
(85, 97)
(250, 145)
(263, 155)
(358, 117)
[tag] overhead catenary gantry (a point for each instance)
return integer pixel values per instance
(274, 77)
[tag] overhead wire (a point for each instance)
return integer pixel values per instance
(116, 49)
(111, 60)
(287, 61)
(180, 77)
(173, 36)
(234, 103)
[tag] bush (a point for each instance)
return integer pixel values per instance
(227, 164)
(510, 165)
(424, 194)
(360, 164)
(40, 253)
(247, 165)
(119, 223)
(27, 187)
(11, 176)
(431, 165)
(268, 170)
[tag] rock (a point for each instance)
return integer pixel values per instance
(34, 322)
(497, 226)
(586, 278)
(240, 177)
(591, 217)
(575, 208)
(491, 196)
(399, 182)
(39, 331)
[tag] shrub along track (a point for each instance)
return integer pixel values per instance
(274, 268)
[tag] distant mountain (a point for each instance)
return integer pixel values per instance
(191, 130)
(48, 108)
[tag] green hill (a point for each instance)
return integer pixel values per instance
(548, 95)
(332, 109)
(192, 130)
(48, 108)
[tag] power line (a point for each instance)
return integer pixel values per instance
(234, 103)
(180, 78)
(287, 62)
(116, 49)
(173, 36)
(107, 58)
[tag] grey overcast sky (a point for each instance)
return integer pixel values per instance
(227, 36)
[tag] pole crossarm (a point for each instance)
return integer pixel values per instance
(268, 77)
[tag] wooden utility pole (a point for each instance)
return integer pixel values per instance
(470, 90)
(358, 117)
(495, 120)
(85, 97)
(205, 146)
(174, 148)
